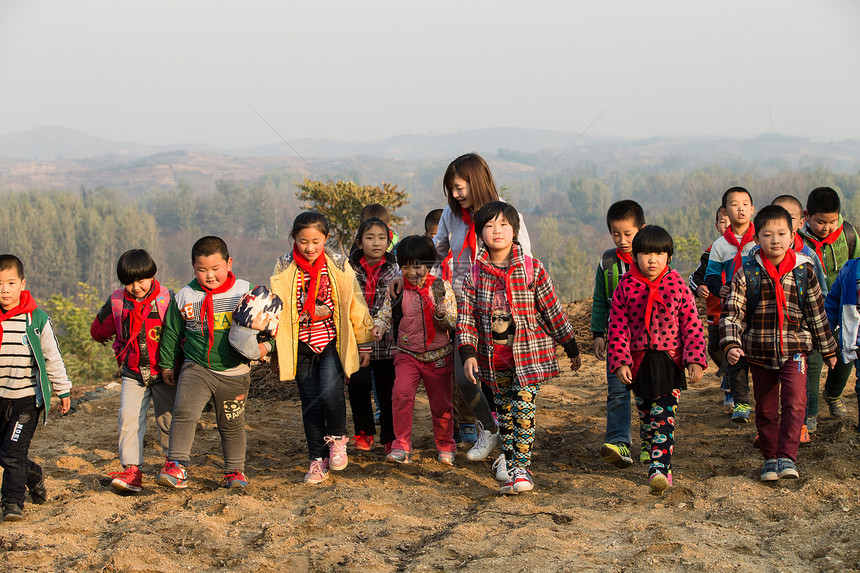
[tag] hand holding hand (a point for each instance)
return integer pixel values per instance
(734, 354)
(694, 373)
(624, 374)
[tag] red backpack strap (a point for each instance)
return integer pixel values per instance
(530, 272)
(476, 273)
(116, 302)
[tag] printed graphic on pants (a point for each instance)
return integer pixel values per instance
(516, 409)
(234, 408)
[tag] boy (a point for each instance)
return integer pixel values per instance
(843, 311)
(834, 242)
(201, 316)
(774, 321)
(712, 303)
(30, 366)
(624, 219)
(727, 253)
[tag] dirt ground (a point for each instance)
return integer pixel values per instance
(583, 515)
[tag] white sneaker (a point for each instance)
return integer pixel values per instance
(486, 443)
(501, 467)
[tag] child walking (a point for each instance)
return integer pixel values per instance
(375, 266)
(30, 367)
(134, 317)
(508, 324)
(654, 333)
(324, 336)
(421, 318)
(198, 325)
(774, 317)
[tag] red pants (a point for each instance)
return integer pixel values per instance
(779, 433)
(437, 376)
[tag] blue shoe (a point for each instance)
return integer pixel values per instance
(728, 401)
(787, 468)
(469, 433)
(741, 413)
(770, 470)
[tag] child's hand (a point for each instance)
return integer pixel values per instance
(65, 405)
(260, 322)
(694, 373)
(702, 292)
(263, 350)
(575, 363)
(394, 287)
(377, 332)
(734, 354)
(470, 368)
(600, 348)
(363, 359)
(624, 374)
(831, 362)
(167, 376)
(725, 290)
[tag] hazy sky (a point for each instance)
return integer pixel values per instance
(194, 72)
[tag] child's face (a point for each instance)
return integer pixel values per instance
(415, 274)
(311, 243)
(652, 264)
(822, 224)
(775, 238)
(431, 231)
(739, 208)
(211, 271)
(622, 233)
(498, 235)
(374, 243)
(722, 224)
(462, 193)
(796, 213)
(11, 286)
(139, 289)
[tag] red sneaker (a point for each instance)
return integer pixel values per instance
(363, 442)
(804, 435)
(130, 479)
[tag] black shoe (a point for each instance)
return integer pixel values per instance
(13, 512)
(36, 485)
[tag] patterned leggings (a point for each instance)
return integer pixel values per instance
(657, 429)
(516, 408)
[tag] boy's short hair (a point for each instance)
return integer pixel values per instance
(416, 250)
(736, 189)
(374, 210)
(788, 199)
(208, 246)
(135, 265)
(771, 213)
(623, 210)
(12, 262)
(432, 218)
(721, 212)
(308, 220)
(492, 210)
(653, 239)
(823, 200)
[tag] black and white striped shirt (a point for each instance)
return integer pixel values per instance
(17, 366)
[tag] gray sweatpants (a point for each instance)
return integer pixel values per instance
(195, 387)
(134, 402)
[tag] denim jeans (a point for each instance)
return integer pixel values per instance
(617, 409)
(320, 379)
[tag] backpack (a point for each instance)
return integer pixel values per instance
(752, 274)
(850, 236)
(608, 263)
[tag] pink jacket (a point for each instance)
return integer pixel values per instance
(412, 333)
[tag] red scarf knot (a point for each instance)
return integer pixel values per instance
(26, 304)
(819, 245)
(427, 306)
(653, 292)
(372, 272)
(313, 270)
(208, 311)
(776, 273)
(138, 315)
(748, 237)
(626, 257)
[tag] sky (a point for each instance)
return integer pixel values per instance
(162, 73)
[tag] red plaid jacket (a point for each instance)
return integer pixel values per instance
(539, 319)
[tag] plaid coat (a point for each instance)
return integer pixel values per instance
(805, 324)
(538, 317)
(386, 348)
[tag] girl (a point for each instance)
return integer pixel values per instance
(374, 267)
(654, 332)
(133, 316)
(319, 344)
(508, 321)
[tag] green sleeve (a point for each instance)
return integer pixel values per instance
(172, 335)
(599, 304)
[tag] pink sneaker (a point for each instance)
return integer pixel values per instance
(337, 452)
(318, 471)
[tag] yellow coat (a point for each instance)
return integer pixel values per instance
(352, 321)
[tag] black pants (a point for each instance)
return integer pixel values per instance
(18, 421)
(360, 388)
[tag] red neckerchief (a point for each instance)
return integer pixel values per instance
(798, 243)
(626, 257)
(505, 275)
(729, 235)
(312, 270)
(653, 292)
(426, 304)
(471, 240)
(208, 312)
(831, 238)
(446, 267)
(26, 304)
(785, 267)
(138, 314)
(372, 272)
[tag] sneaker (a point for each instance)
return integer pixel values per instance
(501, 468)
(519, 480)
(446, 458)
(804, 435)
(130, 479)
(659, 482)
(399, 457)
(837, 406)
(234, 479)
(363, 442)
(787, 469)
(728, 400)
(468, 433)
(337, 459)
(318, 471)
(769, 470)
(644, 454)
(811, 424)
(36, 485)
(486, 443)
(387, 447)
(741, 413)
(616, 454)
(13, 512)
(173, 475)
